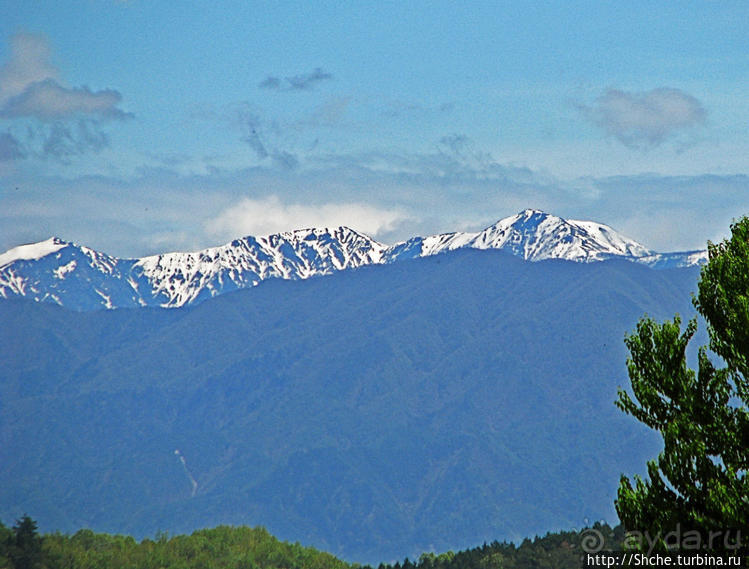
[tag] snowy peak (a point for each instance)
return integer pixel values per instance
(535, 235)
(32, 251)
(183, 278)
(57, 271)
(83, 279)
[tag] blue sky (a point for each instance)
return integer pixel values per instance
(140, 127)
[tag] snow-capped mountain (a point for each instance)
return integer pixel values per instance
(535, 236)
(83, 279)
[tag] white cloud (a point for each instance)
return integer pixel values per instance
(59, 122)
(29, 62)
(161, 210)
(269, 215)
(48, 100)
(648, 118)
(30, 87)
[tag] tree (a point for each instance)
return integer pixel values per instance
(699, 481)
(25, 545)
(5, 538)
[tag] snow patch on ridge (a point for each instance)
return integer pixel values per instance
(63, 270)
(32, 251)
(183, 278)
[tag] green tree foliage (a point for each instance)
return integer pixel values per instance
(699, 481)
(254, 548)
(23, 547)
(562, 550)
(223, 546)
(5, 539)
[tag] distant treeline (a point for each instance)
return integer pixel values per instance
(562, 550)
(22, 547)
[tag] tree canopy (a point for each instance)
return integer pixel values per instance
(223, 546)
(699, 481)
(22, 545)
(254, 548)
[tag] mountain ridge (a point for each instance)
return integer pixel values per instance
(81, 278)
(374, 413)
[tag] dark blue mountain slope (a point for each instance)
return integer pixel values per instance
(429, 404)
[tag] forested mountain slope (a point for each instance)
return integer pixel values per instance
(424, 405)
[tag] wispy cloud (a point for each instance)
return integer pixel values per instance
(30, 87)
(256, 137)
(303, 82)
(464, 150)
(270, 82)
(30, 62)
(271, 215)
(645, 119)
(63, 140)
(455, 142)
(398, 108)
(391, 197)
(285, 160)
(47, 100)
(60, 141)
(64, 121)
(326, 115)
(283, 142)
(253, 137)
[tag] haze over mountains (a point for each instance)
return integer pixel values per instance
(83, 279)
(427, 404)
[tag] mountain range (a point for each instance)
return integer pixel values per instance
(81, 278)
(424, 405)
(444, 393)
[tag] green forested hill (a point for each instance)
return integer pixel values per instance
(221, 547)
(242, 547)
